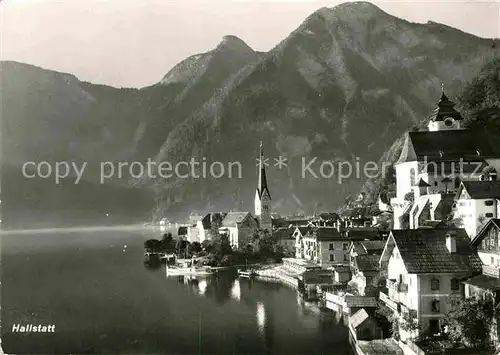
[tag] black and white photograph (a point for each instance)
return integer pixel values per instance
(250, 177)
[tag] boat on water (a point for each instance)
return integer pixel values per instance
(188, 271)
(247, 273)
(188, 268)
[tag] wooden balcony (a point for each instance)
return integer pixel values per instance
(390, 303)
(491, 271)
(397, 286)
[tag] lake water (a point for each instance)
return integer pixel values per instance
(102, 299)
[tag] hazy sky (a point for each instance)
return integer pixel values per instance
(133, 43)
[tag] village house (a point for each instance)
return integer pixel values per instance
(239, 227)
(366, 272)
(433, 163)
(364, 259)
(325, 246)
(424, 269)
(487, 285)
(364, 327)
(204, 226)
(300, 246)
(477, 201)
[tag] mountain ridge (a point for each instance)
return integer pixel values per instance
(344, 85)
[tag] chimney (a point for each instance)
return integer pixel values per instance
(451, 243)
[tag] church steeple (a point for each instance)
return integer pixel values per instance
(262, 195)
(444, 116)
(262, 183)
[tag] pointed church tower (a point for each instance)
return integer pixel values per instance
(262, 196)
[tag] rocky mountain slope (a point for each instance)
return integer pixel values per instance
(342, 87)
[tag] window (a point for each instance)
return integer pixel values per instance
(489, 215)
(434, 284)
(331, 246)
(455, 284)
(345, 246)
(332, 257)
(412, 177)
(346, 257)
(488, 203)
(435, 307)
(492, 261)
(435, 183)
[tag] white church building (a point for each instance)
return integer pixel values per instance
(433, 163)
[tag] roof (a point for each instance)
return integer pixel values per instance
(380, 347)
(358, 318)
(372, 245)
(363, 233)
(484, 282)
(210, 217)
(422, 183)
(329, 216)
(445, 108)
(326, 234)
(360, 301)
(182, 231)
(304, 230)
(468, 144)
(233, 218)
(368, 262)
(480, 189)
(492, 223)
(432, 224)
(424, 251)
(284, 233)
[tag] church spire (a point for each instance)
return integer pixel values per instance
(262, 183)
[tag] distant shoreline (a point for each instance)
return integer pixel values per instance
(82, 228)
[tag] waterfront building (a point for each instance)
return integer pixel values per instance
(364, 326)
(325, 246)
(424, 269)
(433, 163)
(300, 246)
(263, 196)
(477, 202)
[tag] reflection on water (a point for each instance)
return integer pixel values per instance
(261, 316)
(202, 286)
(163, 314)
(236, 290)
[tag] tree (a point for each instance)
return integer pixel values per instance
(386, 318)
(222, 246)
(263, 242)
(409, 196)
(152, 245)
(215, 225)
(409, 323)
(404, 221)
(469, 321)
(194, 248)
(480, 99)
(167, 242)
(207, 245)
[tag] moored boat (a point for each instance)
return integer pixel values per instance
(246, 273)
(188, 271)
